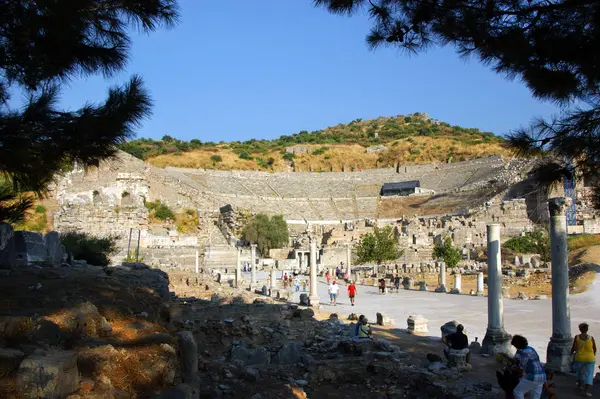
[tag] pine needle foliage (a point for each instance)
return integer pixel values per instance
(45, 44)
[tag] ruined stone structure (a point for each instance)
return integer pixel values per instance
(337, 208)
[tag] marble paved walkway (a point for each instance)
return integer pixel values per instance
(531, 318)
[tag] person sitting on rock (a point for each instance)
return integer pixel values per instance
(549, 389)
(357, 326)
(364, 330)
(457, 341)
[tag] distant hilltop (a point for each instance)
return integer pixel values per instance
(358, 145)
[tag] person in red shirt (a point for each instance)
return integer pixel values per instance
(352, 292)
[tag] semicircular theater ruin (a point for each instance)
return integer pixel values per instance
(422, 202)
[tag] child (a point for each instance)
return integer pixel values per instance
(549, 390)
(304, 285)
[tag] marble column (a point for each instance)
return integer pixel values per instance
(559, 348)
(238, 268)
(253, 263)
(457, 283)
(442, 287)
(314, 294)
(480, 288)
(273, 278)
(496, 338)
(349, 260)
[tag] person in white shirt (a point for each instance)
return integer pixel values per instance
(333, 291)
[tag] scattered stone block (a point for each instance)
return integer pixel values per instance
(250, 357)
(423, 286)
(31, 249)
(383, 320)
(188, 350)
(290, 353)
(417, 324)
(53, 248)
(522, 296)
(8, 250)
(9, 360)
(50, 375)
(458, 359)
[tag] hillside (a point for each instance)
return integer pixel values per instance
(409, 139)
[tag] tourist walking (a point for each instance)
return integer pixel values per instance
(297, 284)
(397, 283)
(285, 280)
(382, 285)
(352, 292)
(303, 285)
(333, 292)
(534, 376)
(584, 348)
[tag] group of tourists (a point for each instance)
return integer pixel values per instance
(333, 290)
(536, 382)
(394, 283)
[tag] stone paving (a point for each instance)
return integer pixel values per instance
(531, 318)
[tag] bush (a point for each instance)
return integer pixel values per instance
(163, 212)
(245, 155)
(320, 151)
(40, 209)
(288, 156)
(216, 158)
(94, 250)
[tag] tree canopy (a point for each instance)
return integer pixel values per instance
(448, 252)
(551, 45)
(43, 45)
(378, 246)
(267, 233)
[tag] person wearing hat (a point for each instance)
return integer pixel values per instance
(352, 292)
(364, 329)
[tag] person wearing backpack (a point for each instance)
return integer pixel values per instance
(584, 348)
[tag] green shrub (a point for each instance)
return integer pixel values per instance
(245, 155)
(94, 250)
(216, 158)
(163, 212)
(320, 151)
(40, 209)
(288, 156)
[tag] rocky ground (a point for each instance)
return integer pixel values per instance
(86, 332)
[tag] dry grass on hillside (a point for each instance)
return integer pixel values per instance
(417, 150)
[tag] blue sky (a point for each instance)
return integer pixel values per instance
(240, 69)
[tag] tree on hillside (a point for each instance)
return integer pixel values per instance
(267, 233)
(378, 246)
(448, 252)
(44, 44)
(551, 45)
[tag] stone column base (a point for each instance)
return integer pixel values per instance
(479, 293)
(441, 288)
(558, 354)
(495, 341)
(455, 291)
(314, 301)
